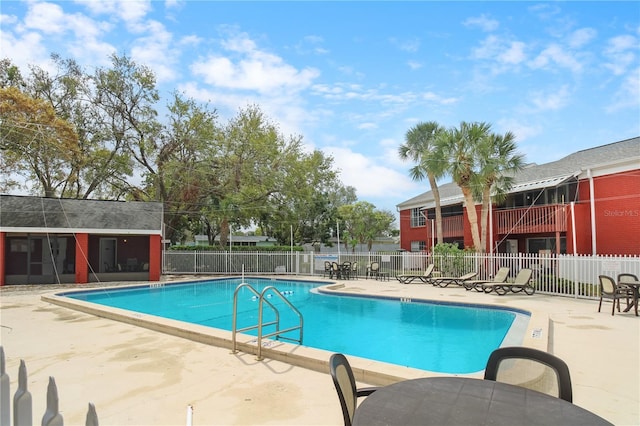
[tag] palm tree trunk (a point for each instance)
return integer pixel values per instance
(473, 218)
(436, 197)
(486, 199)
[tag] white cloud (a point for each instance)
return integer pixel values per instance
(502, 51)
(248, 68)
(628, 94)
(155, 50)
(46, 17)
(514, 54)
(414, 65)
(621, 52)
(409, 45)
(483, 22)
(24, 49)
(368, 177)
(521, 130)
(551, 101)
(129, 11)
(581, 37)
(432, 97)
(556, 55)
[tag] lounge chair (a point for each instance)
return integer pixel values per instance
(445, 281)
(522, 282)
(500, 277)
(425, 277)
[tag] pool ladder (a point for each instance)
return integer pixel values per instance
(262, 299)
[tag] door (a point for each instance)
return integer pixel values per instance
(108, 254)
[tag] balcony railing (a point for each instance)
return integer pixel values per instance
(529, 220)
(452, 226)
(526, 220)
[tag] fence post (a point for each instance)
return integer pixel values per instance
(22, 399)
(52, 416)
(92, 416)
(5, 401)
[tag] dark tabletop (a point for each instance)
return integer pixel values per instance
(464, 401)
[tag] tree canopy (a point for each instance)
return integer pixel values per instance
(77, 134)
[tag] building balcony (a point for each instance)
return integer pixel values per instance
(530, 220)
(526, 220)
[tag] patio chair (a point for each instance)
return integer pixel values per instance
(522, 282)
(354, 270)
(532, 369)
(424, 277)
(373, 270)
(345, 384)
(626, 277)
(609, 289)
(445, 281)
(336, 270)
(500, 277)
(327, 269)
(346, 270)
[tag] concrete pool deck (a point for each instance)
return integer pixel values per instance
(137, 376)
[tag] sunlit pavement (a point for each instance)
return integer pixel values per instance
(137, 376)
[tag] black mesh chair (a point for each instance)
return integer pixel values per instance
(530, 368)
(346, 386)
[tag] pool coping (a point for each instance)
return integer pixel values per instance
(365, 370)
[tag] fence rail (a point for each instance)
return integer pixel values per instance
(564, 275)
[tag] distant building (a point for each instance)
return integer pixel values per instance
(239, 240)
(51, 240)
(585, 203)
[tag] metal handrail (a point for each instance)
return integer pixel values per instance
(234, 330)
(260, 325)
(278, 332)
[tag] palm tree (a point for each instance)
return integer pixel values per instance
(421, 146)
(462, 147)
(497, 163)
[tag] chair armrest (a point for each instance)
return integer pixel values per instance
(366, 391)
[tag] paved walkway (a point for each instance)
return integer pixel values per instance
(136, 376)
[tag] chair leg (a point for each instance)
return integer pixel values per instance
(613, 308)
(600, 304)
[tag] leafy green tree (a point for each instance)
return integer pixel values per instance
(180, 178)
(35, 143)
(422, 146)
(363, 223)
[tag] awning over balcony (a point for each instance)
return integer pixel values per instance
(540, 183)
(529, 185)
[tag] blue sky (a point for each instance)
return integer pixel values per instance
(353, 77)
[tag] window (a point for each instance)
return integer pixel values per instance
(418, 246)
(417, 218)
(535, 245)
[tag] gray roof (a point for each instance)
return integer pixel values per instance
(547, 175)
(36, 214)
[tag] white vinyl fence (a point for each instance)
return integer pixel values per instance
(22, 410)
(565, 275)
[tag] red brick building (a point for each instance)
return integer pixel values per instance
(51, 240)
(585, 203)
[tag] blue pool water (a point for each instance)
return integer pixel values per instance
(439, 337)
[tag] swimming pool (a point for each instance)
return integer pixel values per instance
(438, 337)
